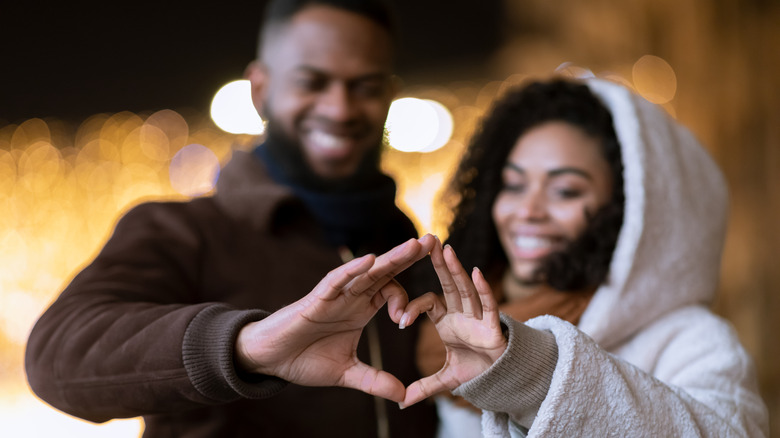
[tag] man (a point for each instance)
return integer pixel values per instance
(171, 320)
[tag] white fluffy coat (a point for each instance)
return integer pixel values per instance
(648, 357)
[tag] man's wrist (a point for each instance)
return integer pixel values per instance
(209, 353)
(242, 358)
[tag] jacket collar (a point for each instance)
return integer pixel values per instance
(245, 191)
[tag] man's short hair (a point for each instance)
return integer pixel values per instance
(380, 12)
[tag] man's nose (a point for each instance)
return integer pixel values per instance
(335, 103)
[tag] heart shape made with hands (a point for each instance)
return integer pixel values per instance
(313, 341)
(465, 317)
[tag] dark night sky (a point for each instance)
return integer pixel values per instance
(67, 61)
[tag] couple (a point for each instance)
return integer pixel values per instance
(595, 223)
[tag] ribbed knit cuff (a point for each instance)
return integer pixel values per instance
(518, 382)
(207, 351)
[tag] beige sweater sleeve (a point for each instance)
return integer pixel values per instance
(518, 382)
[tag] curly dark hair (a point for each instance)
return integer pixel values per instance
(477, 182)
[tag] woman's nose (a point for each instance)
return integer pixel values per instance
(531, 206)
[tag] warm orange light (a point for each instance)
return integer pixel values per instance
(655, 79)
(194, 170)
(61, 197)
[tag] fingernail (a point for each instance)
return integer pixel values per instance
(401, 406)
(404, 320)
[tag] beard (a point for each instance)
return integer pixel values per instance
(288, 153)
(584, 263)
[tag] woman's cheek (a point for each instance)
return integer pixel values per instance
(572, 219)
(501, 209)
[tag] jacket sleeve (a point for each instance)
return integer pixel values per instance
(702, 384)
(128, 336)
(520, 380)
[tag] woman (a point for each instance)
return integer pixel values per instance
(599, 221)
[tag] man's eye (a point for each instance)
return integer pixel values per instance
(368, 89)
(310, 84)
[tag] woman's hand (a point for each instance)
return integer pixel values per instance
(466, 318)
(313, 341)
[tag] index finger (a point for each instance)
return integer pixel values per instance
(467, 292)
(390, 264)
(448, 286)
(333, 283)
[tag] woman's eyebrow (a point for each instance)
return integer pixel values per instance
(566, 170)
(554, 172)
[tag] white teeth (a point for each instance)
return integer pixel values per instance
(531, 243)
(328, 141)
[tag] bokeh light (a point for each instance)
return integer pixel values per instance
(422, 201)
(418, 125)
(62, 189)
(22, 417)
(654, 79)
(572, 70)
(194, 170)
(445, 127)
(50, 182)
(232, 109)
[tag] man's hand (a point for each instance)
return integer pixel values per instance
(467, 322)
(313, 341)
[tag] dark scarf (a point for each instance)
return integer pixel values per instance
(351, 211)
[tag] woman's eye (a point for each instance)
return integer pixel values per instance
(513, 188)
(568, 193)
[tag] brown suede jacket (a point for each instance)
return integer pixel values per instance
(148, 328)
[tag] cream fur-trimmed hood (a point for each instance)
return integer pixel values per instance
(662, 363)
(669, 249)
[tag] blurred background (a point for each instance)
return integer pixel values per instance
(104, 106)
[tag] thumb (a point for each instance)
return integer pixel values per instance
(422, 389)
(375, 382)
(396, 298)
